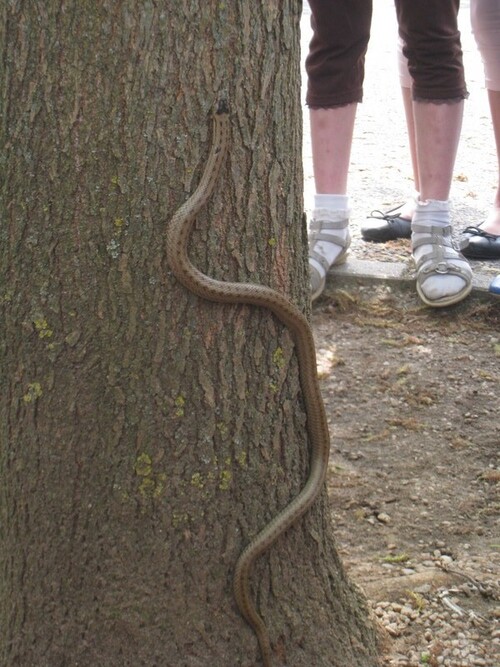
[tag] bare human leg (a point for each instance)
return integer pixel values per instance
(492, 223)
(409, 207)
(331, 138)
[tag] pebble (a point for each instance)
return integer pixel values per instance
(449, 639)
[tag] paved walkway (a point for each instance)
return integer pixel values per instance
(380, 175)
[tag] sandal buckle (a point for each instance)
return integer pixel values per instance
(441, 267)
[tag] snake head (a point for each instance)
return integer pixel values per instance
(222, 106)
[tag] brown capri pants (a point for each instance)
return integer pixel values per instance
(335, 64)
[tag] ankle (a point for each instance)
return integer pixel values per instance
(409, 207)
(431, 213)
(330, 215)
(492, 222)
(332, 202)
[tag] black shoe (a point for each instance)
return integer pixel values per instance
(389, 226)
(475, 243)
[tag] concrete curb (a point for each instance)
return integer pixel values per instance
(397, 275)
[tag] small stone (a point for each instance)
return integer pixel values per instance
(383, 517)
(393, 629)
(383, 604)
(424, 588)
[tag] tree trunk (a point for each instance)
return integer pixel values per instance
(147, 435)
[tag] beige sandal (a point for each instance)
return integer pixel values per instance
(318, 280)
(444, 259)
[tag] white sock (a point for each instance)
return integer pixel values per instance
(333, 202)
(330, 208)
(435, 213)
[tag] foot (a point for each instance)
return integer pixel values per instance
(329, 239)
(492, 222)
(444, 276)
(483, 241)
(389, 226)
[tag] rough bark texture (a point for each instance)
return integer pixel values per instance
(146, 436)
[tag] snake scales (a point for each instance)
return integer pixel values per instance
(177, 239)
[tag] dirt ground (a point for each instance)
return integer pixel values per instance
(412, 398)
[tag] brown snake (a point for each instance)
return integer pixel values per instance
(177, 238)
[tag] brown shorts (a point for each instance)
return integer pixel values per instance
(335, 64)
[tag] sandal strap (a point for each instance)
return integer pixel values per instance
(333, 238)
(434, 236)
(442, 261)
(318, 225)
(433, 241)
(432, 230)
(317, 281)
(320, 259)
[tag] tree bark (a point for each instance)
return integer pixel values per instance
(147, 436)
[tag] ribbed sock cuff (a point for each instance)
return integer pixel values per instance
(331, 201)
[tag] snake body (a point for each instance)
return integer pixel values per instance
(177, 239)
